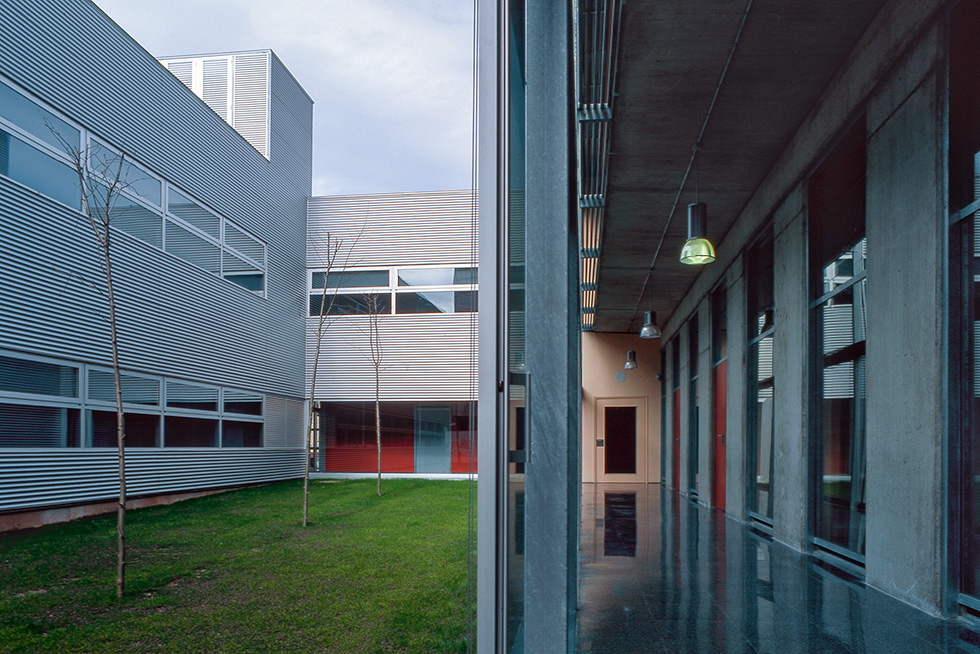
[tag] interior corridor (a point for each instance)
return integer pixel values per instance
(660, 573)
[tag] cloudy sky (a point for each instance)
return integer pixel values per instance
(391, 79)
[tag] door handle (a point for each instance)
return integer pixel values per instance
(722, 437)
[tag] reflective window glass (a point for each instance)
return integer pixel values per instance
(351, 279)
(426, 276)
(426, 302)
(39, 122)
(35, 169)
(104, 162)
(191, 247)
(194, 214)
(341, 304)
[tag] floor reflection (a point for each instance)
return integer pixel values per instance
(660, 574)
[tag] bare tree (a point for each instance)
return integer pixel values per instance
(329, 251)
(101, 179)
(376, 353)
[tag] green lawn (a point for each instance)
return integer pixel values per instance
(236, 572)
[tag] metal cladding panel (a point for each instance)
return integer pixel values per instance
(250, 114)
(33, 478)
(397, 228)
(426, 357)
(291, 124)
(176, 319)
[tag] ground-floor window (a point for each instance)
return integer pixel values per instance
(417, 437)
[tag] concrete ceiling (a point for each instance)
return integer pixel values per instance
(671, 56)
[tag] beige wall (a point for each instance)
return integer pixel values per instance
(603, 355)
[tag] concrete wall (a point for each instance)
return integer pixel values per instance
(791, 312)
(603, 356)
(905, 229)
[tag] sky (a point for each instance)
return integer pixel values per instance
(391, 80)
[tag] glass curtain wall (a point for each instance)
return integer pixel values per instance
(759, 381)
(964, 249)
(692, 401)
(838, 265)
(518, 376)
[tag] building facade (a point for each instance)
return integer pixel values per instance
(408, 260)
(208, 255)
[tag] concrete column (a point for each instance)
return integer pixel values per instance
(790, 488)
(670, 454)
(735, 411)
(906, 235)
(552, 484)
(706, 404)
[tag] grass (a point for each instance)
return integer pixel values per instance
(236, 572)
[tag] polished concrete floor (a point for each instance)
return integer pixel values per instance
(661, 574)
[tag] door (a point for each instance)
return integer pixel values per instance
(432, 442)
(621, 440)
(718, 482)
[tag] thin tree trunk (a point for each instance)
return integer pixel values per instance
(120, 432)
(377, 421)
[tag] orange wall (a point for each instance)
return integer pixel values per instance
(603, 355)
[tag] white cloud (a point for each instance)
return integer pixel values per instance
(391, 78)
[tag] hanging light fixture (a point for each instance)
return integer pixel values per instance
(698, 249)
(631, 361)
(650, 329)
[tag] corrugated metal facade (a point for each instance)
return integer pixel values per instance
(175, 319)
(427, 357)
(32, 479)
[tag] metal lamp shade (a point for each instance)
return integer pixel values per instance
(650, 329)
(698, 249)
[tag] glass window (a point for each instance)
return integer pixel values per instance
(244, 244)
(466, 301)
(838, 262)
(466, 276)
(142, 430)
(426, 302)
(190, 432)
(189, 396)
(244, 403)
(135, 390)
(130, 216)
(194, 214)
(38, 426)
(759, 382)
(191, 247)
(351, 279)
(236, 433)
(104, 163)
(38, 122)
(26, 376)
(425, 276)
(31, 167)
(343, 304)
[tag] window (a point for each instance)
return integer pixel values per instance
(142, 430)
(189, 396)
(38, 170)
(838, 292)
(37, 377)
(40, 406)
(760, 387)
(406, 290)
(33, 145)
(38, 426)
